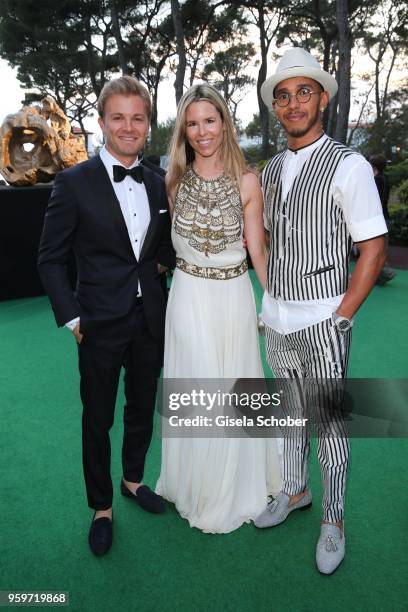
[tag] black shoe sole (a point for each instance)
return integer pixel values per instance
(99, 553)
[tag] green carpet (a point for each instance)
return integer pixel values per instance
(158, 562)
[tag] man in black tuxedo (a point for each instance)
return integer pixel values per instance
(112, 213)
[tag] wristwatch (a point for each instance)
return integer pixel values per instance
(342, 323)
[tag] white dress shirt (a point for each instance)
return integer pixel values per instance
(353, 189)
(134, 205)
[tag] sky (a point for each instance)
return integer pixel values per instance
(11, 100)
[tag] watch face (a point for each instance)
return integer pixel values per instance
(343, 325)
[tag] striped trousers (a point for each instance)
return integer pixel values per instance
(314, 359)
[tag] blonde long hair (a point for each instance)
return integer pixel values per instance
(180, 151)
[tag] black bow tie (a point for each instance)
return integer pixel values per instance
(119, 173)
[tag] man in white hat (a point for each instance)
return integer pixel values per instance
(319, 197)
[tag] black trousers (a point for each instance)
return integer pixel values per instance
(102, 354)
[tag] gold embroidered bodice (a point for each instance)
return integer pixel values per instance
(208, 213)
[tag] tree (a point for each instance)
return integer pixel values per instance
(148, 43)
(268, 18)
(198, 25)
(118, 36)
(70, 61)
(159, 141)
(278, 137)
(385, 39)
(89, 42)
(312, 25)
(208, 24)
(388, 133)
(227, 72)
(343, 71)
(315, 26)
(181, 49)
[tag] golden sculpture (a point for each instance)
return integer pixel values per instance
(36, 143)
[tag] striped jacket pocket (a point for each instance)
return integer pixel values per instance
(319, 271)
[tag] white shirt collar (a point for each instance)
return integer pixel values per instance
(109, 161)
(309, 148)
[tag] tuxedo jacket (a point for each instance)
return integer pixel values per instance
(84, 217)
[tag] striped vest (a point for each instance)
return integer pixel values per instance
(309, 241)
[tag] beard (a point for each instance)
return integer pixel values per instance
(295, 132)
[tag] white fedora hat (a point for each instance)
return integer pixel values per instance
(297, 62)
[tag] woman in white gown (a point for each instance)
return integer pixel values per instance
(211, 327)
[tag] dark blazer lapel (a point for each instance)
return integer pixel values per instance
(152, 183)
(104, 193)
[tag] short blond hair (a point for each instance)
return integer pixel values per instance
(124, 86)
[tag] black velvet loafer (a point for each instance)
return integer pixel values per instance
(100, 536)
(145, 497)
